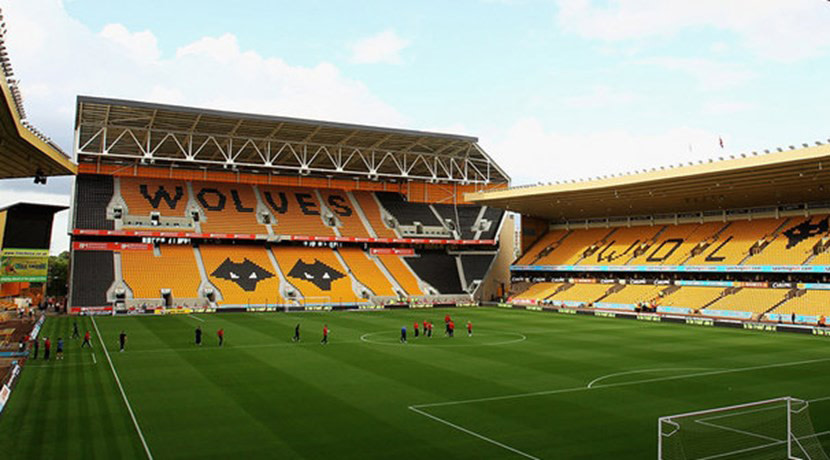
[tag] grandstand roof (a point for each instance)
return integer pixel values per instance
(112, 129)
(785, 177)
(23, 149)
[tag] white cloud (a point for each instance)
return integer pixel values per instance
(710, 75)
(601, 97)
(210, 72)
(779, 29)
(384, 47)
(547, 155)
(142, 46)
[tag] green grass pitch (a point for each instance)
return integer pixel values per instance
(517, 389)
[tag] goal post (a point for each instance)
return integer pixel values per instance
(770, 429)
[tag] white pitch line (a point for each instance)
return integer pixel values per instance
(622, 384)
(644, 371)
(473, 433)
(123, 394)
(94, 360)
(196, 318)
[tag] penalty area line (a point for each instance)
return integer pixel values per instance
(472, 433)
(123, 394)
(196, 318)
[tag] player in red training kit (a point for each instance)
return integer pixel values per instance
(469, 329)
(451, 328)
(325, 340)
(221, 334)
(416, 329)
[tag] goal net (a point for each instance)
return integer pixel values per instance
(772, 429)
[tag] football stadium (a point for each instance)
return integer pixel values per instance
(280, 287)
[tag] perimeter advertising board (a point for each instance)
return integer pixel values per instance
(26, 265)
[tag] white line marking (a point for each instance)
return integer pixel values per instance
(644, 371)
(123, 394)
(94, 360)
(520, 338)
(473, 433)
(196, 318)
(623, 384)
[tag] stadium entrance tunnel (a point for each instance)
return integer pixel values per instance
(438, 339)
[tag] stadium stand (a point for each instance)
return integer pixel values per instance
(244, 275)
(547, 243)
(694, 297)
(755, 300)
(317, 274)
(675, 243)
(620, 246)
(793, 244)
(175, 268)
(366, 271)
(228, 208)
(296, 211)
(371, 209)
(580, 292)
(92, 196)
(806, 302)
(144, 196)
(537, 292)
(494, 216)
(402, 274)
(437, 268)
(339, 204)
(572, 248)
(476, 266)
(407, 213)
(92, 275)
(732, 244)
(462, 218)
(633, 294)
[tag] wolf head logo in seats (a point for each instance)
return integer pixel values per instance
(318, 273)
(245, 274)
(805, 230)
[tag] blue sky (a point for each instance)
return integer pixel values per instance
(554, 89)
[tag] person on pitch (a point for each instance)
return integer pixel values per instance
(86, 342)
(469, 329)
(415, 327)
(122, 340)
(198, 336)
(221, 335)
(296, 337)
(403, 334)
(325, 340)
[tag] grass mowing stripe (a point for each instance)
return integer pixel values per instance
(473, 433)
(121, 388)
(621, 384)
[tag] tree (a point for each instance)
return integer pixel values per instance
(57, 280)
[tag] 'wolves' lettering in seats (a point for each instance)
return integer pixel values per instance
(308, 206)
(202, 196)
(715, 258)
(237, 202)
(663, 255)
(804, 230)
(339, 206)
(245, 274)
(282, 208)
(612, 255)
(318, 273)
(161, 194)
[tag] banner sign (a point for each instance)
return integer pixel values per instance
(615, 306)
(28, 265)
(99, 246)
(700, 321)
(787, 318)
(676, 310)
(704, 283)
(392, 251)
(728, 314)
(676, 268)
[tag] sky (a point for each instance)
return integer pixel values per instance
(553, 89)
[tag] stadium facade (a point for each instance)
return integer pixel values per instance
(178, 207)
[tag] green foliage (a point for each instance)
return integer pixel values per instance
(58, 279)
